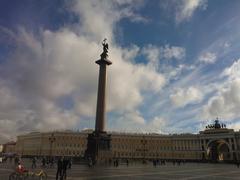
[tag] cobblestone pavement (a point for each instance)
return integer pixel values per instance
(187, 171)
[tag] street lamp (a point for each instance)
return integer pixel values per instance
(144, 142)
(51, 139)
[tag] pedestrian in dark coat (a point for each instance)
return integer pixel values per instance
(34, 163)
(65, 166)
(59, 168)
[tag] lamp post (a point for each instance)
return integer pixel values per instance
(144, 142)
(51, 139)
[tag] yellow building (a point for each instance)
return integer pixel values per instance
(66, 143)
(9, 148)
(214, 143)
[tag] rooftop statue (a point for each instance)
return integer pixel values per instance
(216, 125)
(104, 54)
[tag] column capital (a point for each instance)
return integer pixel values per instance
(103, 61)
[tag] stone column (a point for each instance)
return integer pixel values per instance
(236, 148)
(205, 148)
(101, 99)
(99, 142)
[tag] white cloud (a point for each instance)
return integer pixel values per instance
(98, 17)
(155, 53)
(235, 126)
(175, 52)
(181, 97)
(152, 54)
(133, 121)
(130, 53)
(226, 102)
(226, 44)
(183, 10)
(186, 8)
(175, 73)
(60, 64)
(208, 57)
(157, 124)
(233, 71)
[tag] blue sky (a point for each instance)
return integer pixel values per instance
(175, 64)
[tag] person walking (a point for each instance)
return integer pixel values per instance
(51, 161)
(43, 162)
(59, 168)
(64, 169)
(16, 160)
(237, 163)
(70, 163)
(34, 163)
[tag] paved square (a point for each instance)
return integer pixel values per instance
(187, 171)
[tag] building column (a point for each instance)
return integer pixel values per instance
(230, 148)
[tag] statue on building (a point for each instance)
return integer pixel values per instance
(104, 54)
(216, 125)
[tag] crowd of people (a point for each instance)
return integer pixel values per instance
(65, 163)
(62, 165)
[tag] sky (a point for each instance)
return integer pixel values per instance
(175, 64)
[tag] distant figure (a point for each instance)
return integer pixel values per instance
(70, 163)
(34, 163)
(174, 162)
(51, 162)
(237, 163)
(116, 163)
(127, 162)
(59, 168)
(43, 162)
(154, 163)
(178, 162)
(16, 160)
(64, 169)
(20, 168)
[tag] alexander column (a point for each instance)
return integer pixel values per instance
(98, 147)
(102, 80)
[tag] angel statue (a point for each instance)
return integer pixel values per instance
(104, 54)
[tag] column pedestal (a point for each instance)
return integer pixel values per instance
(98, 147)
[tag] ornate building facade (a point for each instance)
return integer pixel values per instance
(215, 143)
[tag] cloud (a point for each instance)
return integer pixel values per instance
(233, 72)
(99, 18)
(226, 102)
(208, 58)
(175, 52)
(155, 53)
(186, 8)
(183, 9)
(152, 54)
(134, 122)
(235, 126)
(176, 72)
(181, 97)
(46, 68)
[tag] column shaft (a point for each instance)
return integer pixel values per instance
(101, 98)
(101, 104)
